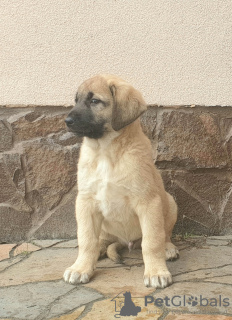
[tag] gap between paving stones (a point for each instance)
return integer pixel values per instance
(186, 272)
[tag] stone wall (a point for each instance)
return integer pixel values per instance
(192, 148)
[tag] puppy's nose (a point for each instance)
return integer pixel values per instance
(69, 121)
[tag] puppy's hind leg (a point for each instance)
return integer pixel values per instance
(104, 244)
(156, 273)
(171, 250)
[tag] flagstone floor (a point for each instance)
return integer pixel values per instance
(31, 285)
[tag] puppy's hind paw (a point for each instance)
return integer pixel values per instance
(172, 253)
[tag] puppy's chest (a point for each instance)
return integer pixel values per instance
(105, 185)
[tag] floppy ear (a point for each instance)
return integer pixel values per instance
(128, 105)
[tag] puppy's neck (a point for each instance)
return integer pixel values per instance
(111, 137)
(102, 143)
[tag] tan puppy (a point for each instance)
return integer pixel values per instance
(121, 197)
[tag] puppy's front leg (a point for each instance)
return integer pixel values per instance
(89, 226)
(151, 218)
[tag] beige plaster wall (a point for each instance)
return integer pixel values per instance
(174, 51)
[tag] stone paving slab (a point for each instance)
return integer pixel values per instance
(29, 301)
(45, 265)
(5, 251)
(25, 248)
(9, 262)
(31, 286)
(71, 316)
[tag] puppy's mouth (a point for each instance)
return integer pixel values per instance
(77, 131)
(94, 132)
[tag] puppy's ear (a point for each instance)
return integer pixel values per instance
(128, 105)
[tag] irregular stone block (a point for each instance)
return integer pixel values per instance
(226, 213)
(12, 182)
(15, 212)
(5, 136)
(51, 172)
(5, 251)
(191, 140)
(43, 265)
(64, 138)
(73, 300)
(202, 200)
(62, 222)
(14, 223)
(35, 124)
(29, 301)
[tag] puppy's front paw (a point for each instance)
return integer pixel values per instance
(158, 280)
(74, 276)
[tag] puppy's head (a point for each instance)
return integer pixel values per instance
(104, 103)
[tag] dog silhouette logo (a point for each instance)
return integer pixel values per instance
(129, 308)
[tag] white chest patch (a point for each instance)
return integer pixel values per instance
(107, 187)
(108, 192)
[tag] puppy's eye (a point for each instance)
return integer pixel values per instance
(95, 101)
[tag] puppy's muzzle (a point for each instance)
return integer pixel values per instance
(69, 122)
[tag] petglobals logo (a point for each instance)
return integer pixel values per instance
(183, 301)
(125, 305)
